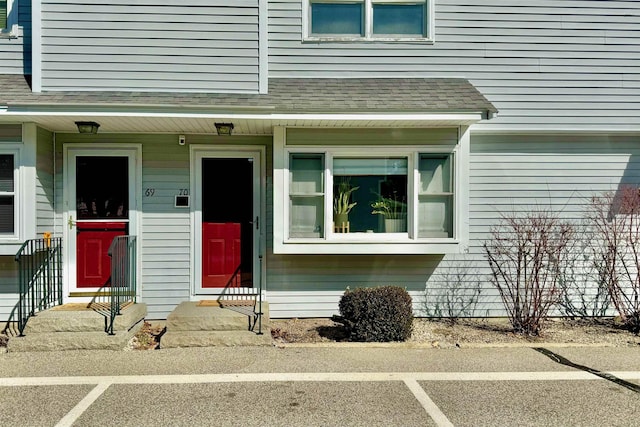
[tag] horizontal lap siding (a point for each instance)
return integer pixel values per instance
(545, 65)
(197, 46)
(518, 173)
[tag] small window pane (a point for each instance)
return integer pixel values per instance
(435, 174)
(307, 216)
(337, 18)
(6, 215)
(6, 173)
(435, 216)
(306, 192)
(370, 195)
(405, 19)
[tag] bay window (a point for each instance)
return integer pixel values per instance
(336, 196)
(369, 19)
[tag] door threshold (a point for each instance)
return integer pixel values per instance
(89, 294)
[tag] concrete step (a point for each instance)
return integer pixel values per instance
(189, 316)
(56, 341)
(175, 339)
(60, 320)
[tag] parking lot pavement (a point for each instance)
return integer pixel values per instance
(319, 387)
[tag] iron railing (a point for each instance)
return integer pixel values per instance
(39, 277)
(122, 289)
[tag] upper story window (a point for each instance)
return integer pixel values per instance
(8, 18)
(373, 20)
(3, 14)
(8, 174)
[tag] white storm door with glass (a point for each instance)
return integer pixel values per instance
(227, 222)
(100, 202)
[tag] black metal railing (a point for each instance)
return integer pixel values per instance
(232, 294)
(122, 289)
(39, 277)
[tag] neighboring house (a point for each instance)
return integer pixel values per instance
(457, 111)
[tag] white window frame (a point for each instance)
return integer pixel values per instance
(370, 243)
(16, 193)
(428, 37)
(11, 30)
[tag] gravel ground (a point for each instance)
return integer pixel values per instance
(467, 333)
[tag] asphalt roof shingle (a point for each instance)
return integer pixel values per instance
(350, 95)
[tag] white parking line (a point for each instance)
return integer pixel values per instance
(83, 405)
(302, 376)
(432, 409)
(410, 379)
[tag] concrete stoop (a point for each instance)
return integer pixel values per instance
(191, 325)
(56, 329)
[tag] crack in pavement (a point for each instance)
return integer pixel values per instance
(564, 361)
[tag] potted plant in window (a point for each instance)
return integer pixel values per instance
(342, 205)
(394, 211)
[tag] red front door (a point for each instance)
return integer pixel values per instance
(221, 255)
(92, 246)
(102, 196)
(227, 223)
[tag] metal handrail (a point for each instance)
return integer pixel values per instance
(39, 277)
(122, 289)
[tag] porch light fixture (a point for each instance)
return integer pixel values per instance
(224, 129)
(88, 127)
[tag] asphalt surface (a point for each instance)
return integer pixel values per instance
(323, 386)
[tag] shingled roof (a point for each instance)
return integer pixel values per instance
(350, 95)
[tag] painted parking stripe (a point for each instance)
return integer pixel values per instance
(312, 377)
(432, 409)
(83, 405)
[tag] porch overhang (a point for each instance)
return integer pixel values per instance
(345, 103)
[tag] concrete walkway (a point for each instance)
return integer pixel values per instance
(322, 386)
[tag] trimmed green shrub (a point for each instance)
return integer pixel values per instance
(377, 314)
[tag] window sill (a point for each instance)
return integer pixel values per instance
(9, 33)
(9, 246)
(355, 39)
(368, 247)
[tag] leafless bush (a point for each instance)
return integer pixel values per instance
(582, 292)
(614, 220)
(458, 293)
(525, 253)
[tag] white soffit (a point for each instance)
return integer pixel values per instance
(244, 124)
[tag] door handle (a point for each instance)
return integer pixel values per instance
(71, 223)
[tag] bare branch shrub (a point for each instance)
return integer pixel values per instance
(455, 293)
(582, 292)
(614, 218)
(525, 253)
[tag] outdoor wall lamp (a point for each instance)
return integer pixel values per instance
(224, 129)
(88, 127)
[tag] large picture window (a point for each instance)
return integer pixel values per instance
(7, 195)
(339, 197)
(369, 19)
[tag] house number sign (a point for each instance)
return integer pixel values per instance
(150, 192)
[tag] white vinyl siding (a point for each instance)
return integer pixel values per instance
(550, 64)
(200, 46)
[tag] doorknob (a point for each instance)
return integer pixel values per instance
(71, 222)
